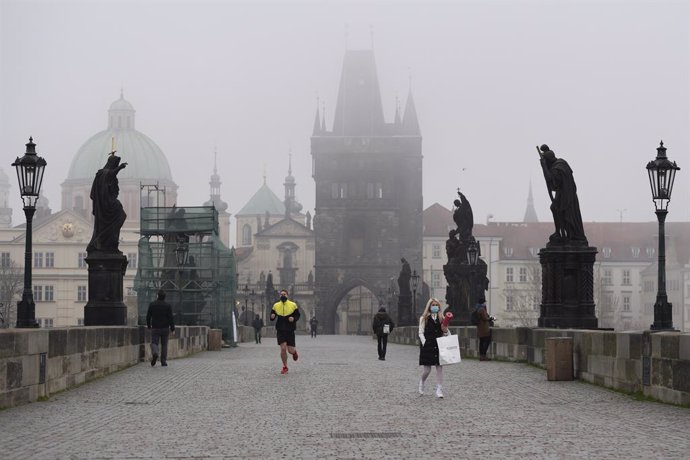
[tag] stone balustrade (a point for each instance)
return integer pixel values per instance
(35, 363)
(654, 364)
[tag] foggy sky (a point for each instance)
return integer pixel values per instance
(601, 82)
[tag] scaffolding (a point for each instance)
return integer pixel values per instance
(180, 252)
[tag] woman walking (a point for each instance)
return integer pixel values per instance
(430, 328)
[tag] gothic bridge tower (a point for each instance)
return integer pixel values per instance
(368, 212)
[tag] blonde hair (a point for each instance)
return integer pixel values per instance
(427, 312)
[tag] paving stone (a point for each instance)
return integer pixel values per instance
(338, 402)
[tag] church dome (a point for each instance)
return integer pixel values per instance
(145, 160)
(121, 104)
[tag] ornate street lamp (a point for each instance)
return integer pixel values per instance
(662, 173)
(181, 252)
(415, 283)
(30, 169)
(252, 295)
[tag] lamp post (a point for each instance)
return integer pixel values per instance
(251, 296)
(415, 283)
(262, 296)
(30, 169)
(662, 173)
(246, 302)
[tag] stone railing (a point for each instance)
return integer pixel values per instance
(35, 363)
(654, 364)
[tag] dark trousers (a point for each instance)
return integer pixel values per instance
(160, 335)
(257, 335)
(383, 342)
(484, 343)
(313, 332)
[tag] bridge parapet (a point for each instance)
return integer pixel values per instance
(655, 364)
(35, 363)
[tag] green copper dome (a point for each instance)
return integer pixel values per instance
(145, 160)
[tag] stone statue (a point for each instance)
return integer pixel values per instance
(453, 246)
(565, 206)
(404, 279)
(107, 209)
(463, 218)
(308, 217)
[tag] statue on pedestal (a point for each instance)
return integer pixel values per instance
(107, 264)
(567, 260)
(466, 282)
(565, 206)
(404, 279)
(107, 209)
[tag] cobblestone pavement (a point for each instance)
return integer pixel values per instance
(338, 401)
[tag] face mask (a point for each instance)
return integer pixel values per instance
(434, 309)
(283, 298)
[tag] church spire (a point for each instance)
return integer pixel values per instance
(410, 122)
(398, 120)
(530, 212)
(291, 204)
(214, 183)
(317, 120)
(323, 117)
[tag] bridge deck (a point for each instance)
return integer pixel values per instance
(338, 401)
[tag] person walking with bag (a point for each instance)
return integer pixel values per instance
(431, 328)
(382, 326)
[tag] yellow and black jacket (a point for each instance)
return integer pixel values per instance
(284, 310)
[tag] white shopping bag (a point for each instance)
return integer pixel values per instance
(448, 350)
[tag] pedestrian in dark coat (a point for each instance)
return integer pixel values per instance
(257, 324)
(381, 320)
(484, 329)
(159, 318)
(430, 328)
(313, 324)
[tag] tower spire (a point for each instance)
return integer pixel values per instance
(323, 116)
(410, 123)
(530, 212)
(317, 121)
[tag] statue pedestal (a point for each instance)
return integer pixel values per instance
(567, 287)
(105, 306)
(405, 310)
(465, 286)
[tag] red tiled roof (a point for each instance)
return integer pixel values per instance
(437, 221)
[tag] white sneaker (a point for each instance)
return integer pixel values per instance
(439, 394)
(421, 387)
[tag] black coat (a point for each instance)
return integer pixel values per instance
(159, 315)
(428, 354)
(380, 319)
